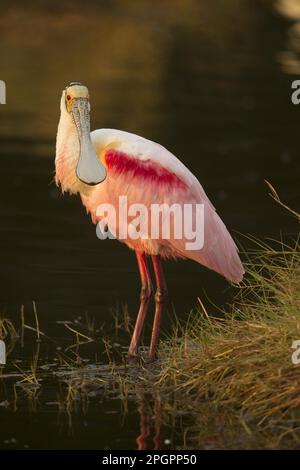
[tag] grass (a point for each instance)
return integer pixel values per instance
(234, 375)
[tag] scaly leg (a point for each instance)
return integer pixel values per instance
(144, 298)
(160, 299)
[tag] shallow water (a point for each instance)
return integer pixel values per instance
(210, 82)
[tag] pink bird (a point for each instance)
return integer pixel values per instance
(106, 165)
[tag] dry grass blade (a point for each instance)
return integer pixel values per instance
(276, 198)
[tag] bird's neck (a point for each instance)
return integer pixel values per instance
(67, 156)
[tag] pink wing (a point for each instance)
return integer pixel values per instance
(147, 181)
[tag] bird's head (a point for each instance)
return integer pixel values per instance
(75, 106)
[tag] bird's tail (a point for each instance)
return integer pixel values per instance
(219, 252)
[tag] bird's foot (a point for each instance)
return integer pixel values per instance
(150, 358)
(143, 356)
(133, 359)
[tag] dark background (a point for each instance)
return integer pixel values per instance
(211, 81)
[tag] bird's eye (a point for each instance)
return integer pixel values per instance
(68, 97)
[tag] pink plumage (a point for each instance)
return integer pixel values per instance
(156, 179)
(149, 171)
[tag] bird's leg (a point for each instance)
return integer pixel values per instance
(160, 299)
(144, 298)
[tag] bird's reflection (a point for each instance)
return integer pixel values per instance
(151, 429)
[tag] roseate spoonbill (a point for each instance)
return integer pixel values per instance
(108, 163)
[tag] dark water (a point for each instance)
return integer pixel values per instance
(211, 82)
